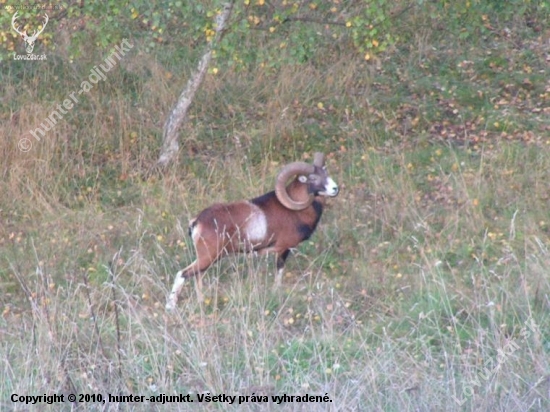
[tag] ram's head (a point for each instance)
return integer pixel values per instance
(315, 176)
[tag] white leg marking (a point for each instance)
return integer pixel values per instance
(173, 297)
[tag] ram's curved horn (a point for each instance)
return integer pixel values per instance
(290, 170)
(319, 159)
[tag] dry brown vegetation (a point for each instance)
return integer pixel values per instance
(427, 272)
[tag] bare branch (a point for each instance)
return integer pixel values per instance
(313, 20)
(178, 115)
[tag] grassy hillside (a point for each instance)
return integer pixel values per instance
(426, 286)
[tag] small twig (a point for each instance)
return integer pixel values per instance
(397, 13)
(94, 318)
(117, 319)
(314, 20)
(394, 14)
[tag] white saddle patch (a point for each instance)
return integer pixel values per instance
(256, 225)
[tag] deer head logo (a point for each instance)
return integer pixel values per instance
(29, 40)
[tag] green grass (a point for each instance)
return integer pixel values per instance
(423, 270)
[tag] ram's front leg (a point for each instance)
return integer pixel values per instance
(281, 259)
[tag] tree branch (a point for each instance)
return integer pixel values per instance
(178, 115)
(313, 20)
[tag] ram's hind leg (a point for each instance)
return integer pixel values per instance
(192, 269)
(205, 257)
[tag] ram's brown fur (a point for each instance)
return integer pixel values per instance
(262, 224)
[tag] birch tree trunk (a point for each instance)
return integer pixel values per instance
(178, 115)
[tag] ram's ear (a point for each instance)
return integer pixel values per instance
(319, 159)
(302, 179)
